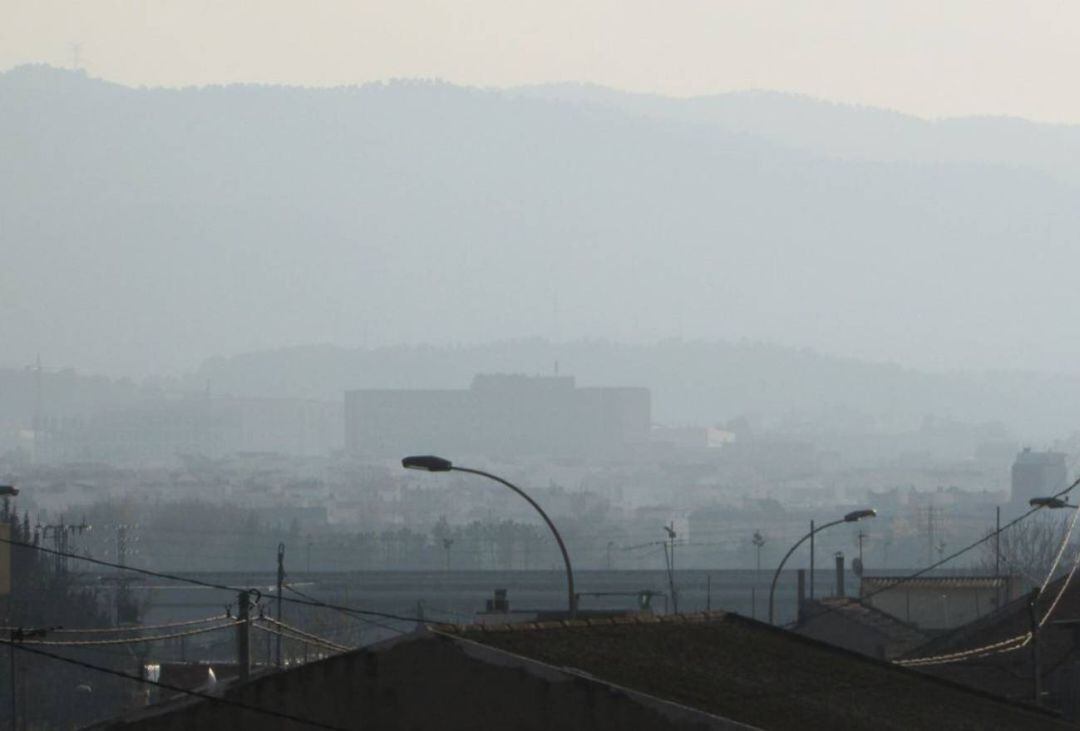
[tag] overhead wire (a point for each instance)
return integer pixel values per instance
(1022, 640)
(287, 630)
(174, 688)
(923, 571)
(126, 628)
(131, 640)
(205, 584)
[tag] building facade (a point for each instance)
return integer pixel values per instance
(498, 415)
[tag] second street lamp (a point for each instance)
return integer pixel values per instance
(1049, 502)
(852, 517)
(431, 463)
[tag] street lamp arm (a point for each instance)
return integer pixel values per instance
(551, 525)
(776, 575)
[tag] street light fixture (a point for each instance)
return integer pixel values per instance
(852, 517)
(431, 463)
(8, 491)
(1049, 502)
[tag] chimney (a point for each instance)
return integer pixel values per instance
(840, 574)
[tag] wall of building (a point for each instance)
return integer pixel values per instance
(499, 415)
(938, 605)
(1038, 474)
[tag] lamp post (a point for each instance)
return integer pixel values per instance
(1053, 503)
(1050, 502)
(852, 517)
(430, 463)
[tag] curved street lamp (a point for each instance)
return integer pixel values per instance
(430, 463)
(852, 517)
(1053, 503)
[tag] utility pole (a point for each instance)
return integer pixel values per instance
(670, 529)
(280, 584)
(11, 673)
(243, 635)
(610, 545)
(1036, 671)
(811, 559)
(997, 556)
(930, 534)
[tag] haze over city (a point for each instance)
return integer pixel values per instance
(405, 337)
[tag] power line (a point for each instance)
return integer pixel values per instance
(128, 628)
(131, 640)
(347, 613)
(962, 551)
(291, 632)
(173, 688)
(206, 584)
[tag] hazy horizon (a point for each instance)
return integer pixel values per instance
(932, 60)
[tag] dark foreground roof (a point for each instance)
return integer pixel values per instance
(850, 623)
(700, 672)
(745, 670)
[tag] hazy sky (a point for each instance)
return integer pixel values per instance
(932, 58)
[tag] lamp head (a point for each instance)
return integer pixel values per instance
(8, 491)
(855, 515)
(1049, 502)
(427, 463)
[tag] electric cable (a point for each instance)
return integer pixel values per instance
(174, 688)
(126, 628)
(348, 613)
(129, 640)
(304, 637)
(205, 584)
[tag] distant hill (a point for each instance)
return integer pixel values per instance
(849, 132)
(143, 230)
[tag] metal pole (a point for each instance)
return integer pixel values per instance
(812, 559)
(243, 636)
(1036, 671)
(997, 555)
(280, 583)
(776, 574)
(674, 594)
(11, 656)
(571, 596)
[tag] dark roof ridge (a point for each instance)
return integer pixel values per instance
(475, 628)
(870, 609)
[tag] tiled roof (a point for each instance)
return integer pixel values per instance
(877, 583)
(885, 624)
(748, 671)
